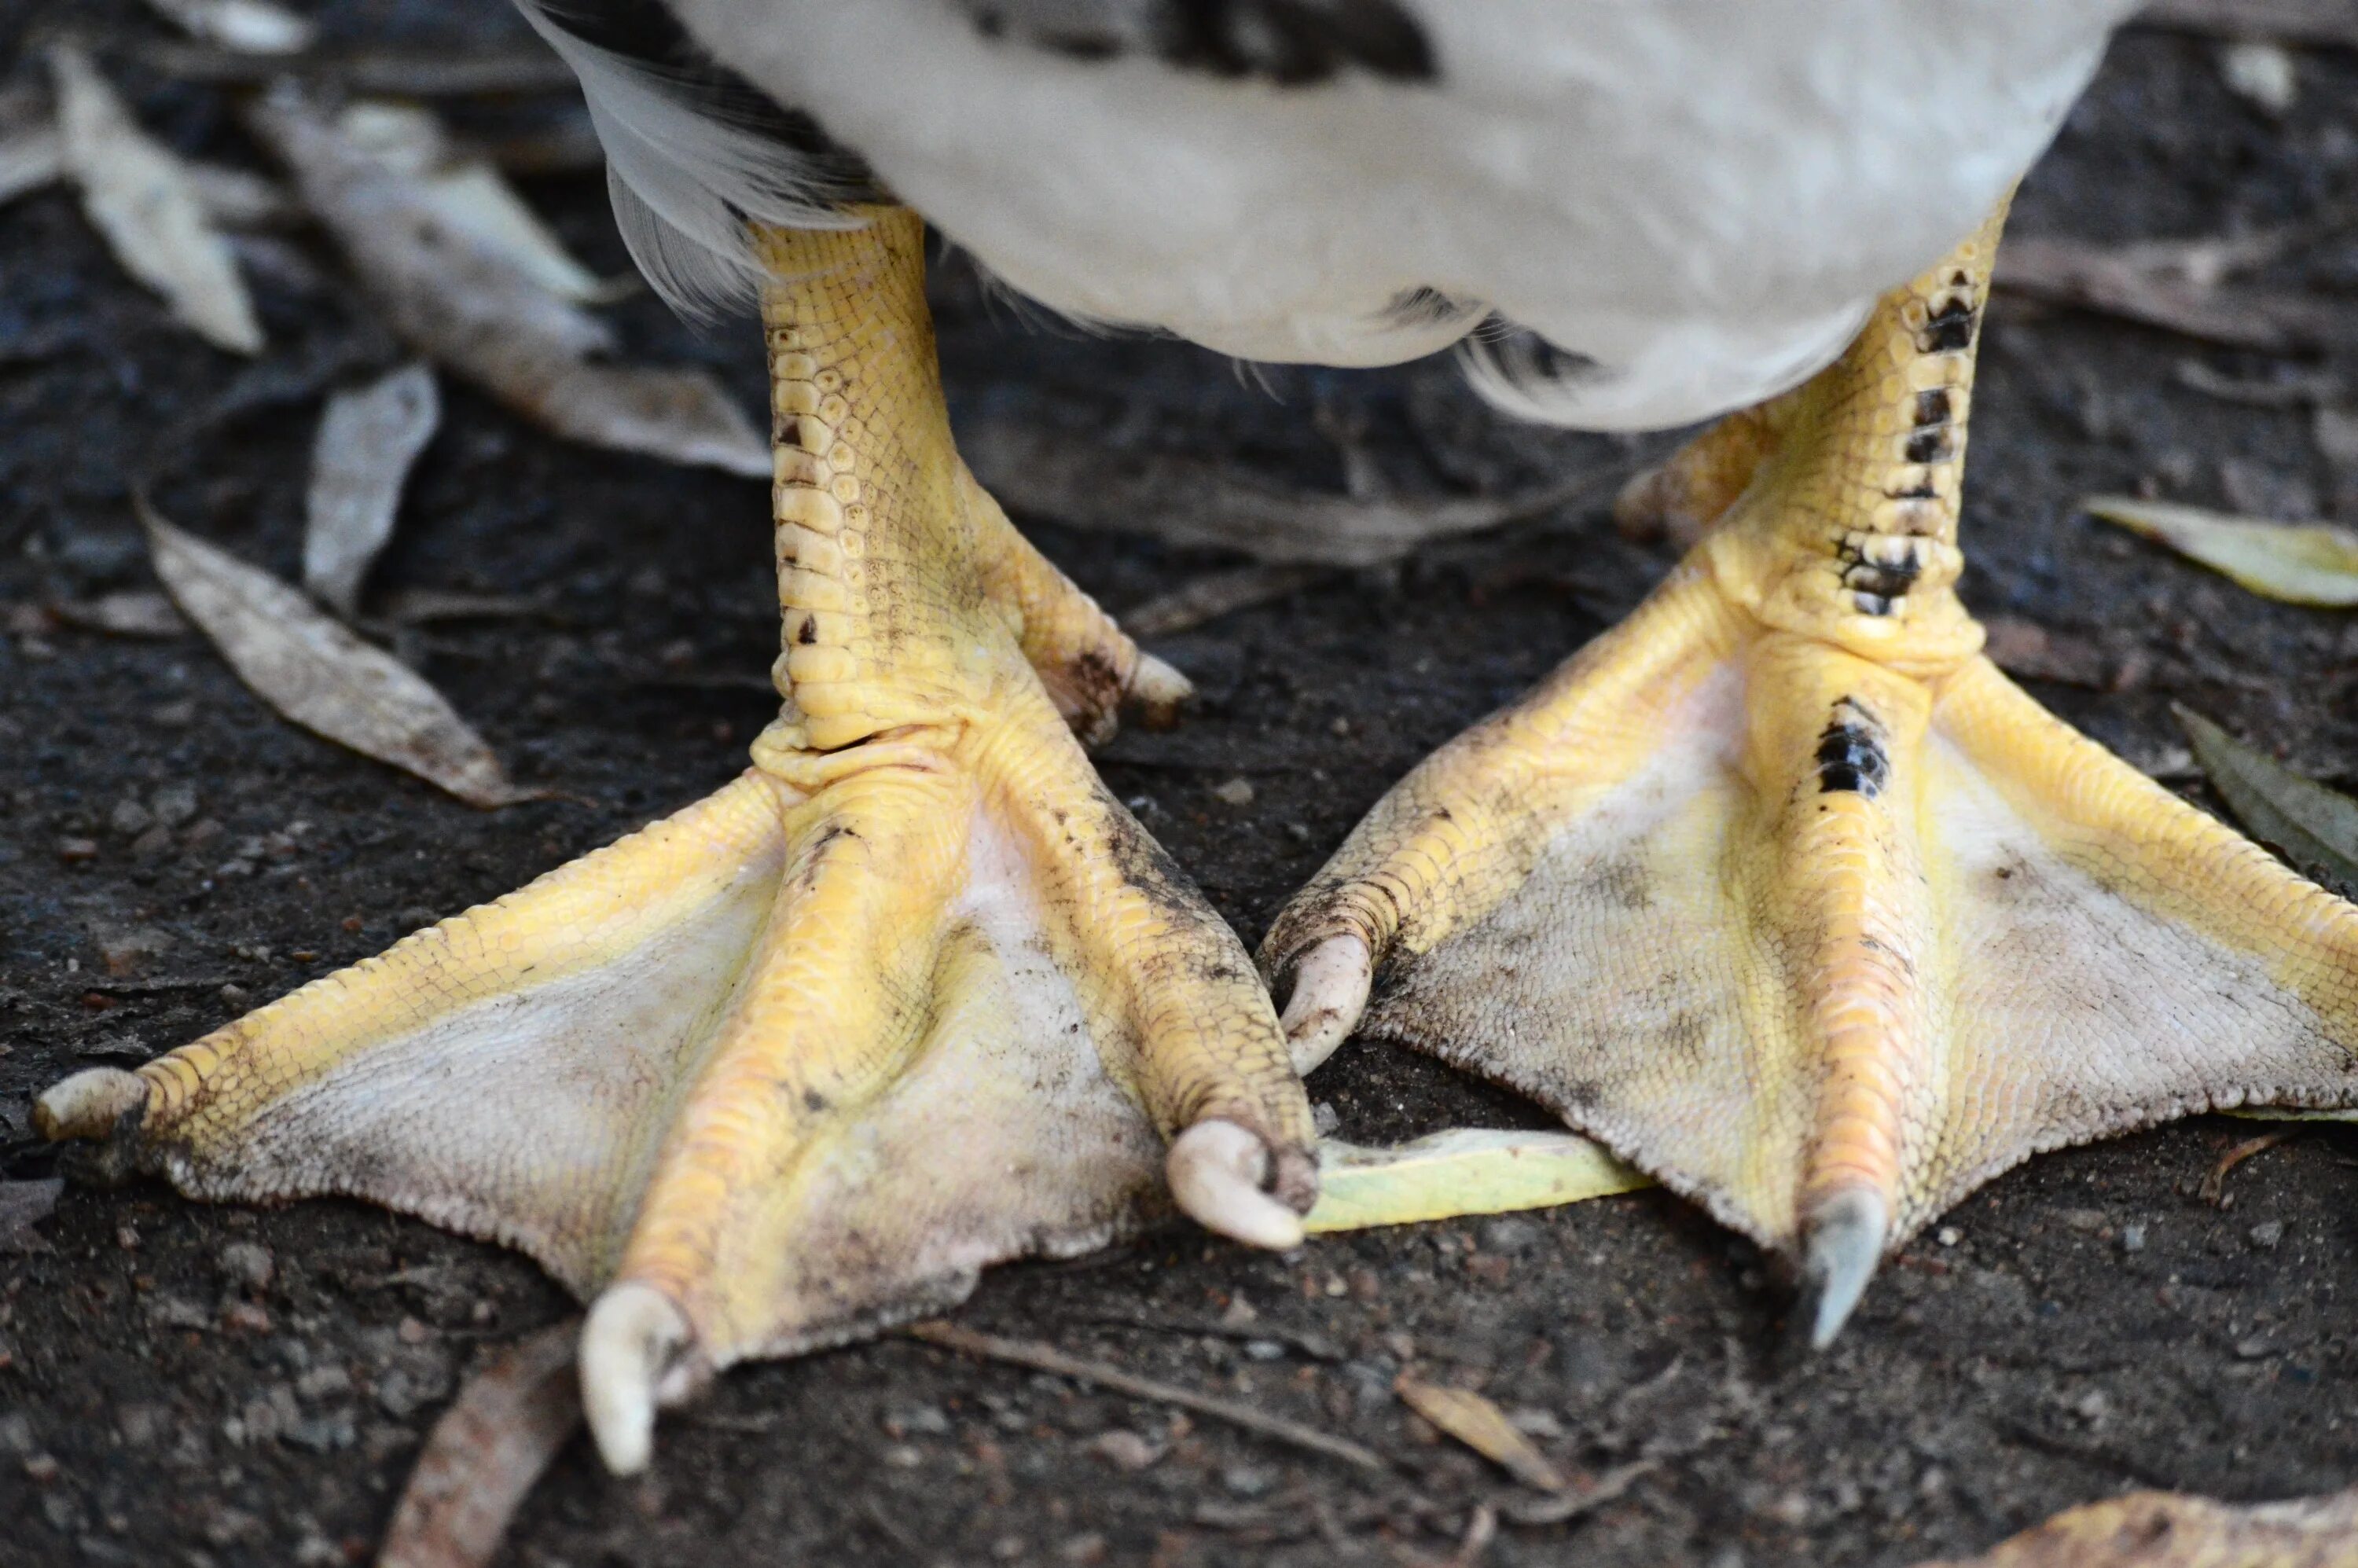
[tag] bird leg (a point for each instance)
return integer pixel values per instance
(1783, 891)
(911, 996)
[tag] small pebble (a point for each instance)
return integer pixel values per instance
(1264, 1350)
(1124, 1450)
(2251, 1348)
(1325, 1119)
(923, 1421)
(1948, 1236)
(246, 1265)
(2133, 1238)
(1248, 1480)
(130, 818)
(2267, 1233)
(174, 804)
(1236, 792)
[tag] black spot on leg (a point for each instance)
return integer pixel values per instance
(1932, 446)
(814, 1101)
(1932, 408)
(809, 632)
(1851, 755)
(1949, 328)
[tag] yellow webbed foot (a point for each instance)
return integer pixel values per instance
(912, 995)
(1783, 891)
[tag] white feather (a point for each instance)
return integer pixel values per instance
(686, 181)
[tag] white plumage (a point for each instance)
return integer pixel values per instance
(1700, 198)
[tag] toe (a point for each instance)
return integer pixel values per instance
(635, 1348)
(1330, 992)
(1222, 1176)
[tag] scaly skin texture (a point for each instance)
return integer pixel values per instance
(912, 994)
(2168, 1529)
(1784, 891)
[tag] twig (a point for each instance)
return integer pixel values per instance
(1045, 472)
(2214, 1190)
(1481, 1529)
(1048, 1358)
(1317, 1346)
(1215, 594)
(485, 1454)
(1567, 1506)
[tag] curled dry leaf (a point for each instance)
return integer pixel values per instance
(23, 1205)
(1042, 472)
(1482, 1427)
(471, 197)
(140, 196)
(468, 308)
(320, 676)
(2315, 827)
(367, 440)
(1464, 1169)
(2170, 1529)
(2299, 563)
(248, 27)
(484, 1454)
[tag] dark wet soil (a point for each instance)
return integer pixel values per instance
(2086, 1324)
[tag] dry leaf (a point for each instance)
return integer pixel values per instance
(2299, 563)
(2332, 23)
(484, 1454)
(1215, 594)
(2315, 827)
(1464, 1169)
(248, 27)
(472, 197)
(2170, 1529)
(138, 196)
(1042, 472)
(320, 676)
(367, 440)
(239, 199)
(2174, 285)
(473, 310)
(23, 1205)
(32, 157)
(134, 613)
(1482, 1427)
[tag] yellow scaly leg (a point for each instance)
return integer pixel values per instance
(912, 994)
(1782, 891)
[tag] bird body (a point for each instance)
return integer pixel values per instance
(1694, 202)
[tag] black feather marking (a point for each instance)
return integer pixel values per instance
(1289, 43)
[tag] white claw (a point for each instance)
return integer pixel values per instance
(89, 1104)
(1216, 1169)
(1158, 689)
(633, 1336)
(1330, 991)
(1844, 1243)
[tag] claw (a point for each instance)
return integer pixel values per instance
(89, 1104)
(1157, 692)
(634, 1340)
(1218, 1170)
(1330, 991)
(1844, 1242)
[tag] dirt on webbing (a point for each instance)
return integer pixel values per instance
(2086, 1324)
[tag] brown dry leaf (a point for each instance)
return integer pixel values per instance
(138, 195)
(2170, 1529)
(2330, 23)
(134, 613)
(2299, 563)
(467, 307)
(484, 1454)
(367, 440)
(2176, 285)
(248, 27)
(1048, 474)
(320, 676)
(1481, 1427)
(470, 195)
(23, 1205)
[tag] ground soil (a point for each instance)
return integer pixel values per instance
(2086, 1324)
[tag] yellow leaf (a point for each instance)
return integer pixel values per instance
(1482, 1427)
(1463, 1171)
(2299, 563)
